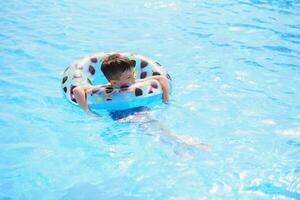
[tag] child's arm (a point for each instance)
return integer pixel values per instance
(80, 94)
(164, 85)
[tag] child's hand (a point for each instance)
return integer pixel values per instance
(166, 97)
(165, 87)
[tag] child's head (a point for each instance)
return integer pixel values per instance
(118, 70)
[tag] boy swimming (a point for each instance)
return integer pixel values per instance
(119, 72)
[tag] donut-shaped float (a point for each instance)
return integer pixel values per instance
(87, 71)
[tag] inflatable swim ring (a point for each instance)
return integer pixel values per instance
(87, 71)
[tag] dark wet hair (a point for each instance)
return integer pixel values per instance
(114, 65)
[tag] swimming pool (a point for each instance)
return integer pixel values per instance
(236, 72)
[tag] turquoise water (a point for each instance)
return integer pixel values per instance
(236, 72)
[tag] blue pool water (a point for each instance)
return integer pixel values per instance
(236, 71)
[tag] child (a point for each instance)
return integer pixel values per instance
(119, 72)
